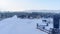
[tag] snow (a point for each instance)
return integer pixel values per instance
(16, 25)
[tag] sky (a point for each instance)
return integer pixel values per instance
(21, 5)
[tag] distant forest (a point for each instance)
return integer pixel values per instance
(27, 15)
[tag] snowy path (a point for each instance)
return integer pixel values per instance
(15, 25)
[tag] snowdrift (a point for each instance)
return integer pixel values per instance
(16, 25)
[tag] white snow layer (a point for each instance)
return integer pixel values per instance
(16, 25)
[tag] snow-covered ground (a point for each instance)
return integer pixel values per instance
(16, 25)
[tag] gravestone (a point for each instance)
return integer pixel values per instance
(55, 29)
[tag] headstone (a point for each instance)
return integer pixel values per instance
(55, 29)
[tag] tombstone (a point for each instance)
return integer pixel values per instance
(55, 29)
(56, 21)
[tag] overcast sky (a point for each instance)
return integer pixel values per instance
(20, 5)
